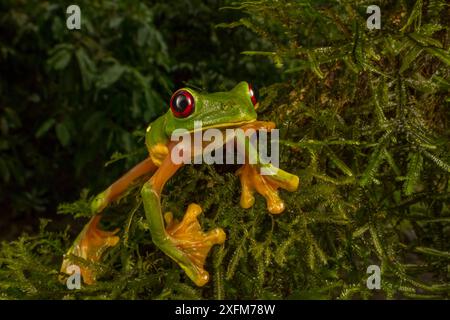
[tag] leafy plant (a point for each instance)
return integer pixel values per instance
(70, 100)
(364, 124)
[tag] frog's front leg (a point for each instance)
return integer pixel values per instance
(266, 185)
(184, 241)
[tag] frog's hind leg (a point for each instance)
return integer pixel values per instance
(184, 241)
(114, 191)
(92, 242)
(90, 245)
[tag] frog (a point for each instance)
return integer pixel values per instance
(185, 242)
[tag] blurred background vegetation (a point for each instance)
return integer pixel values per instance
(73, 99)
(364, 119)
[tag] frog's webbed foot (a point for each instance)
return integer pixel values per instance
(90, 245)
(189, 245)
(266, 185)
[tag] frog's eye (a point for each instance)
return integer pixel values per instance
(182, 104)
(254, 94)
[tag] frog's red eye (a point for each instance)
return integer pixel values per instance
(254, 94)
(182, 104)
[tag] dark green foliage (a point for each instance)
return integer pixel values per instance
(71, 99)
(364, 124)
(79, 94)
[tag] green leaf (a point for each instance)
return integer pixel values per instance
(391, 162)
(142, 35)
(63, 134)
(115, 22)
(410, 57)
(376, 240)
(414, 169)
(415, 17)
(443, 165)
(374, 162)
(314, 65)
(94, 122)
(110, 76)
(87, 67)
(443, 55)
(237, 255)
(277, 60)
(358, 49)
(425, 40)
(379, 95)
(229, 25)
(60, 59)
(338, 162)
(429, 29)
(433, 252)
(45, 127)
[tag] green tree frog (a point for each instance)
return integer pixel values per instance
(184, 241)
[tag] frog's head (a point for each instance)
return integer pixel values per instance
(216, 110)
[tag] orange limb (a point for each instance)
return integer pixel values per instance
(266, 185)
(90, 245)
(92, 242)
(122, 184)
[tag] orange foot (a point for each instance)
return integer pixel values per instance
(266, 185)
(90, 245)
(191, 244)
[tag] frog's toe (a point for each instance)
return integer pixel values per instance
(266, 185)
(247, 198)
(189, 245)
(90, 245)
